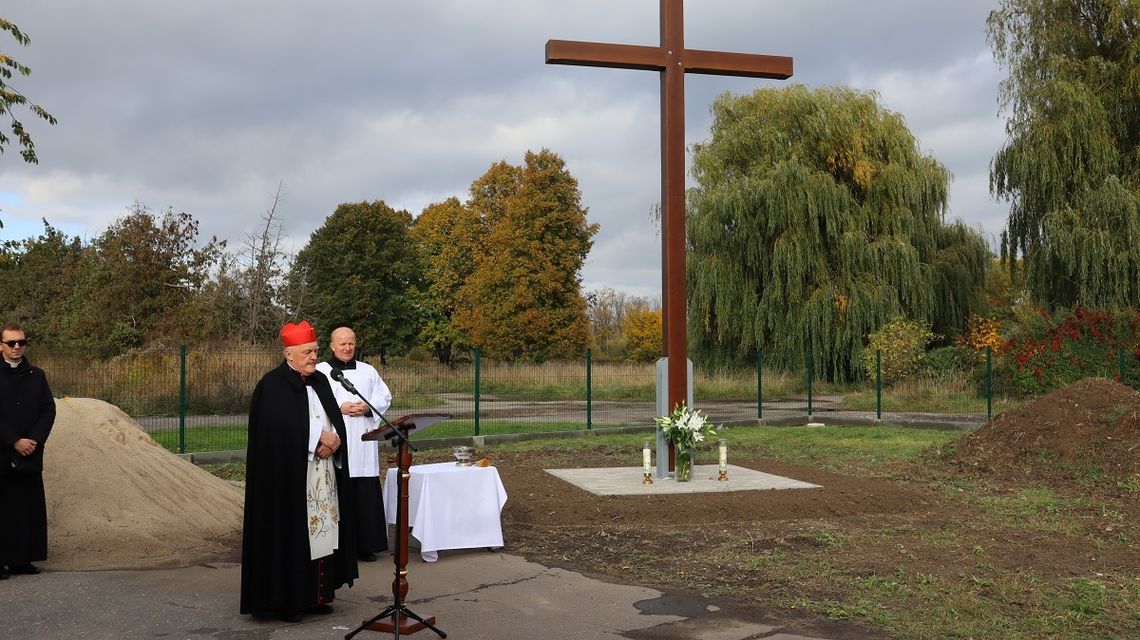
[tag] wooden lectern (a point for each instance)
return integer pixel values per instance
(397, 618)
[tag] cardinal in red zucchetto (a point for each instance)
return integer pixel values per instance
(298, 543)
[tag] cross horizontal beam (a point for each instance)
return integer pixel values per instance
(630, 56)
(746, 65)
(600, 54)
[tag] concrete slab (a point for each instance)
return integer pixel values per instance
(627, 481)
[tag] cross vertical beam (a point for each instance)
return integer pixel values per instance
(672, 60)
(673, 280)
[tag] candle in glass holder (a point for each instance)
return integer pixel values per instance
(646, 475)
(723, 460)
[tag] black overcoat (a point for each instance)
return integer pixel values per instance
(27, 410)
(276, 572)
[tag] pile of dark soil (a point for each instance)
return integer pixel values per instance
(1088, 429)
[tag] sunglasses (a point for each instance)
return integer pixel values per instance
(14, 343)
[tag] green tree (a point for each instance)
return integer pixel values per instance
(136, 283)
(901, 345)
(242, 300)
(11, 98)
(523, 299)
(217, 308)
(815, 220)
(37, 276)
(1005, 290)
(361, 269)
(1071, 166)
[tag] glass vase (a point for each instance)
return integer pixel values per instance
(683, 466)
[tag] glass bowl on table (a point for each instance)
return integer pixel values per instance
(463, 455)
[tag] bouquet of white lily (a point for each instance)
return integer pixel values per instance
(685, 428)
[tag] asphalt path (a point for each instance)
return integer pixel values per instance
(473, 595)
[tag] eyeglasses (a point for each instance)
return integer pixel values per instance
(14, 343)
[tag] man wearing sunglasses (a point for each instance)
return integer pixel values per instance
(27, 412)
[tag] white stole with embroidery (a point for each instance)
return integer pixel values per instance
(322, 497)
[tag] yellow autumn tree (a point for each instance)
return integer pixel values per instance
(522, 299)
(981, 334)
(450, 237)
(643, 334)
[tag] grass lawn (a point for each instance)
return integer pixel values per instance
(223, 437)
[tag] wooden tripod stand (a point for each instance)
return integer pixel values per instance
(397, 618)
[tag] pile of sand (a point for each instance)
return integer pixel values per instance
(1087, 429)
(118, 500)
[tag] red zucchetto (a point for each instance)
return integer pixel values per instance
(300, 333)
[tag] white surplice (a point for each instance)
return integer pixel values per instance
(363, 457)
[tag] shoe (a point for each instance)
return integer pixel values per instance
(320, 609)
(26, 569)
(3, 573)
(288, 616)
(367, 557)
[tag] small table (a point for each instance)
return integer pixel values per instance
(450, 506)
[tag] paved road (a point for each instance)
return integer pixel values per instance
(612, 413)
(474, 595)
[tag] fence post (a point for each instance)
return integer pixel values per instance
(878, 384)
(989, 383)
(810, 376)
(589, 392)
(478, 355)
(759, 384)
(182, 399)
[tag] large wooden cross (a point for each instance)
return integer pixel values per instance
(672, 60)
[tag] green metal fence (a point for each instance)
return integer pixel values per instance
(195, 400)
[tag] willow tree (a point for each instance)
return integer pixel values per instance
(815, 220)
(1071, 166)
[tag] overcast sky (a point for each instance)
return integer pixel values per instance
(206, 106)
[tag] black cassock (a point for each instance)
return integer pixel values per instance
(27, 410)
(276, 572)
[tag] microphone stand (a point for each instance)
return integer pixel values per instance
(398, 613)
(339, 376)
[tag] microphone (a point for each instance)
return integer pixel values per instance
(338, 375)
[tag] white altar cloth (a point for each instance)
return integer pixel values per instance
(450, 506)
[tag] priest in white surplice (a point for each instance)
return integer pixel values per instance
(363, 457)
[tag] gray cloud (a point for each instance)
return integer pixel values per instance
(206, 106)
